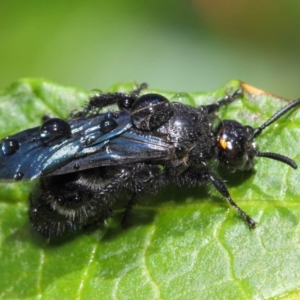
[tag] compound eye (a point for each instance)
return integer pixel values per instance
(151, 111)
(233, 145)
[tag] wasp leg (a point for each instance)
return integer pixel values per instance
(146, 179)
(221, 187)
(139, 89)
(125, 222)
(211, 108)
(45, 118)
(98, 101)
(68, 202)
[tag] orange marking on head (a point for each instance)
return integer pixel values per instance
(223, 143)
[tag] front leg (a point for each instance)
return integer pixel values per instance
(221, 187)
(211, 108)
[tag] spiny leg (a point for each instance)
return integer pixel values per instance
(106, 198)
(125, 222)
(139, 88)
(221, 187)
(227, 99)
(98, 101)
(146, 178)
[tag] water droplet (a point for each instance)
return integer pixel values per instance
(180, 151)
(10, 146)
(95, 93)
(76, 166)
(54, 129)
(108, 124)
(109, 115)
(126, 102)
(89, 140)
(151, 111)
(183, 98)
(18, 176)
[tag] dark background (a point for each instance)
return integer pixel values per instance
(171, 44)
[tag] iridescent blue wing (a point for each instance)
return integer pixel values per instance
(79, 144)
(129, 147)
(33, 153)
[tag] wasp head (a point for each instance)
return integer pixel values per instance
(236, 146)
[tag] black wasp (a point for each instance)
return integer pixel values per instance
(94, 156)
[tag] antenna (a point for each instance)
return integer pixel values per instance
(276, 116)
(278, 157)
(258, 131)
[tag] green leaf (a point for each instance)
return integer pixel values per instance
(184, 243)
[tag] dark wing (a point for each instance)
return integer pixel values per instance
(129, 147)
(25, 156)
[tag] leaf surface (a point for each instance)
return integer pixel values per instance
(183, 243)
